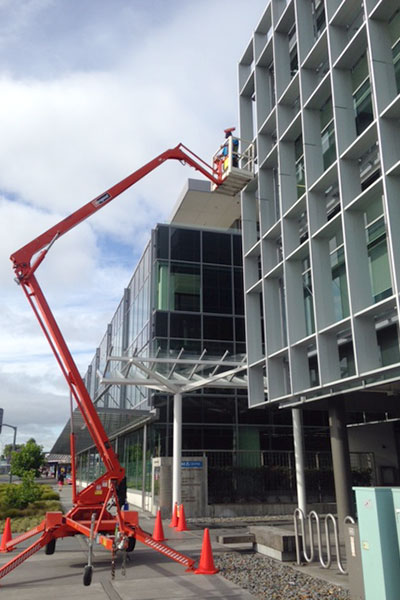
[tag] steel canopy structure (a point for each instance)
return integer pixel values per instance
(177, 375)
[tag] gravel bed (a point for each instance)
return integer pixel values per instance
(268, 579)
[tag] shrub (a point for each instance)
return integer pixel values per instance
(19, 496)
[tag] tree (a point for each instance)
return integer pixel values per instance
(30, 457)
(7, 450)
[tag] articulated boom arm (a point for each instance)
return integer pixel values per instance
(25, 276)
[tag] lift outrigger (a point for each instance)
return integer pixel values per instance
(90, 515)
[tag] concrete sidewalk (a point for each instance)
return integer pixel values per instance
(149, 574)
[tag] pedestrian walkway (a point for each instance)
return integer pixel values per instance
(149, 575)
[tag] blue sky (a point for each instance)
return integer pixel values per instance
(91, 90)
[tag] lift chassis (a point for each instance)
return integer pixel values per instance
(89, 515)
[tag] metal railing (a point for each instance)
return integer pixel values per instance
(324, 554)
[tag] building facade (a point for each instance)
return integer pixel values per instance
(319, 87)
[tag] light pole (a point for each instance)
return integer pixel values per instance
(14, 443)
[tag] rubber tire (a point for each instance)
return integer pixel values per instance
(87, 575)
(131, 544)
(50, 547)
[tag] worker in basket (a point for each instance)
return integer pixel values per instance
(235, 147)
(221, 161)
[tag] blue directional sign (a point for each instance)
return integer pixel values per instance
(191, 464)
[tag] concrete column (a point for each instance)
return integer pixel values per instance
(341, 460)
(177, 451)
(144, 465)
(298, 438)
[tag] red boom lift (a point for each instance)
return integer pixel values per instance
(89, 515)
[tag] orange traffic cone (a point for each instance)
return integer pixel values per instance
(206, 564)
(6, 537)
(182, 520)
(158, 533)
(174, 520)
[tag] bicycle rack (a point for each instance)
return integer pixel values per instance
(325, 563)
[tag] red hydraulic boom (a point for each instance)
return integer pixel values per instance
(89, 515)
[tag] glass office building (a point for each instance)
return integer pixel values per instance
(319, 97)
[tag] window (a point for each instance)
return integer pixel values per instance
(162, 287)
(162, 242)
(388, 342)
(396, 63)
(346, 356)
(185, 245)
(339, 282)
(362, 97)
(313, 365)
(161, 324)
(379, 269)
(294, 62)
(184, 287)
(300, 175)
(185, 326)
(217, 248)
(271, 79)
(218, 328)
(238, 291)
(327, 134)
(217, 290)
(308, 297)
(332, 200)
(319, 19)
(394, 28)
(237, 250)
(178, 287)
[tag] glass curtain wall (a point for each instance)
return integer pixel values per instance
(198, 291)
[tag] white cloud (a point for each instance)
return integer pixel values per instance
(90, 92)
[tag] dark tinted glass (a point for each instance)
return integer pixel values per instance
(190, 346)
(218, 349)
(162, 242)
(185, 245)
(218, 328)
(219, 410)
(237, 250)
(240, 348)
(161, 324)
(238, 291)
(185, 326)
(239, 330)
(192, 409)
(217, 290)
(216, 248)
(192, 439)
(255, 416)
(218, 438)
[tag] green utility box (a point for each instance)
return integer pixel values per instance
(353, 556)
(380, 554)
(396, 505)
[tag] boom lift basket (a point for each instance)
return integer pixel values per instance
(233, 164)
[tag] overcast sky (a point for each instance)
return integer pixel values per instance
(91, 90)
